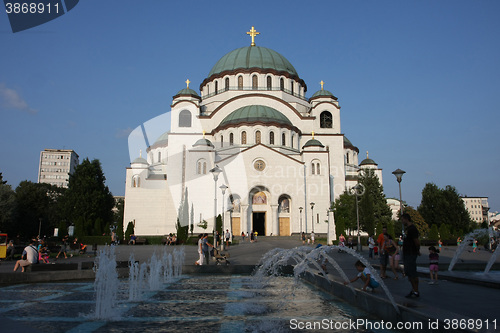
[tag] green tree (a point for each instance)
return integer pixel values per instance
(191, 221)
(443, 206)
(339, 228)
(345, 212)
(444, 232)
(118, 217)
(88, 198)
(129, 231)
(417, 219)
(182, 232)
(373, 206)
(7, 208)
(434, 233)
(37, 207)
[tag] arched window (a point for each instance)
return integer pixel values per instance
(231, 139)
(269, 83)
(201, 167)
(282, 84)
(198, 170)
(159, 156)
(291, 87)
(325, 120)
(293, 138)
(271, 138)
(240, 82)
(222, 141)
(283, 139)
(216, 87)
(255, 83)
(257, 137)
(204, 168)
(185, 118)
(136, 181)
(226, 87)
(313, 168)
(317, 169)
(243, 138)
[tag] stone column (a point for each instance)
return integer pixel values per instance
(275, 222)
(245, 225)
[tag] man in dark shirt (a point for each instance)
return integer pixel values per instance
(411, 249)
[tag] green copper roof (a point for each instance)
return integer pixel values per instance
(322, 93)
(256, 113)
(163, 137)
(187, 91)
(203, 142)
(313, 143)
(368, 161)
(347, 143)
(140, 160)
(253, 57)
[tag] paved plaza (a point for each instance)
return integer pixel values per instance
(465, 294)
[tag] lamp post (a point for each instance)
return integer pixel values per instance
(39, 227)
(312, 215)
(215, 172)
(223, 188)
(399, 176)
(358, 190)
(300, 213)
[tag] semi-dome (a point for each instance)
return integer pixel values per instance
(187, 92)
(323, 93)
(253, 57)
(256, 114)
(313, 143)
(203, 142)
(367, 161)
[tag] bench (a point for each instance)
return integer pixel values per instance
(221, 257)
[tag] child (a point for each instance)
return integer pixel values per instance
(365, 275)
(433, 265)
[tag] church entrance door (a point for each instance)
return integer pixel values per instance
(259, 223)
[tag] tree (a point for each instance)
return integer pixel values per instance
(443, 206)
(88, 199)
(129, 231)
(191, 221)
(417, 220)
(7, 208)
(339, 227)
(345, 212)
(373, 206)
(37, 207)
(118, 217)
(434, 233)
(444, 232)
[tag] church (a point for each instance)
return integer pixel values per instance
(249, 146)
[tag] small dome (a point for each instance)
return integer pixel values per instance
(187, 92)
(163, 138)
(256, 113)
(367, 161)
(253, 57)
(140, 160)
(323, 93)
(313, 143)
(203, 142)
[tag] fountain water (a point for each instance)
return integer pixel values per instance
(271, 262)
(106, 284)
(466, 241)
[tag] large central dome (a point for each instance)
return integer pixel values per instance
(253, 57)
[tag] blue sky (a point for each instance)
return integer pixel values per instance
(418, 81)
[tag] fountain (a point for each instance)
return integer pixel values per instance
(467, 240)
(106, 284)
(305, 256)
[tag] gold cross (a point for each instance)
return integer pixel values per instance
(253, 33)
(188, 82)
(313, 134)
(322, 83)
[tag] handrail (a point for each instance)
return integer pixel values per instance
(220, 91)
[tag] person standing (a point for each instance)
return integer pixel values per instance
(63, 247)
(433, 265)
(371, 245)
(204, 247)
(200, 250)
(411, 250)
(383, 256)
(312, 237)
(228, 237)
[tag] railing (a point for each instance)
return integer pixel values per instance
(220, 91)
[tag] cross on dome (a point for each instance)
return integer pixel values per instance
(253, 33)
(322, 83)
(187, 83)
(312, 134)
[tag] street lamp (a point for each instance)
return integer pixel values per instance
(399, 176)
(215, 172)
(223, 188)
(300, 213)
(358, 190)
(312, 215)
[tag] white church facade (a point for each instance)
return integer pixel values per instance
(282, 156)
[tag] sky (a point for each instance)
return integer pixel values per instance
(417, 81)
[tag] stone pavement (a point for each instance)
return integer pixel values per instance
(458, 298)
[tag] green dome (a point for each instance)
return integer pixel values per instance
(368, 161)
(188, 92)
(140, 160)
(203, 142)
(256, 113)
(313, 143)
(163, 137)
(253, 57)
(323, 93)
